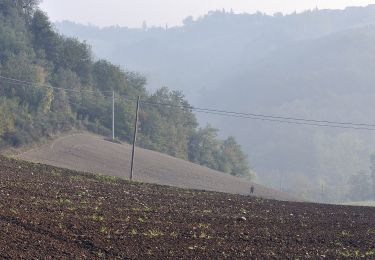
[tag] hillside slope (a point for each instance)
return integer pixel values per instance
(330, 78)
(85, 152)
(50, 84)
(195, 57)
(52, 213)
(314, 65)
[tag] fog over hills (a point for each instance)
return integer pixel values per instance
(318, 65)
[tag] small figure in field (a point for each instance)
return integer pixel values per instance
(252, 189)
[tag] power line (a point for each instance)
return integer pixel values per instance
(287, 122)
(31, 84)
(264, 118)
(261, 115)
(252, 116)
(307, 122)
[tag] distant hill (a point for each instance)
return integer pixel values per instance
(190, 57)
(317, 65)
(89, 153)
(330, 78)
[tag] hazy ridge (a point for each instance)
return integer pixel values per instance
(318, 64)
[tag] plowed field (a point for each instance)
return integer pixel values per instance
(48, 212)
(90, 153)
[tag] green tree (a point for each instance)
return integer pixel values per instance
(59, 86)
(204, 148)
(45, 40)
(76, 56)
(27, 6)
(6, 116)
(109, 77)
(167, 123)
(234, 161)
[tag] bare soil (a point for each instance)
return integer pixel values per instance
(53, 213)
(90, 153)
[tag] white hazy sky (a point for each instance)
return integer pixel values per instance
(132, 13)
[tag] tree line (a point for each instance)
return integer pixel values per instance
(32, 51)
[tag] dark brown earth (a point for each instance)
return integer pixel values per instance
(89, 153)
(52, 213)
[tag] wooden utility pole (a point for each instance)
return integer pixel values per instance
(113, 115)
(134, 139)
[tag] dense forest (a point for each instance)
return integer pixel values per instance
(318, 64)
(50, 84)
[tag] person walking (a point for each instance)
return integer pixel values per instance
(252, 189)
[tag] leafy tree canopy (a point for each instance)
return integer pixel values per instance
(72, 90)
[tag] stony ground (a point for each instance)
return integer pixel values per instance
(47, 212)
